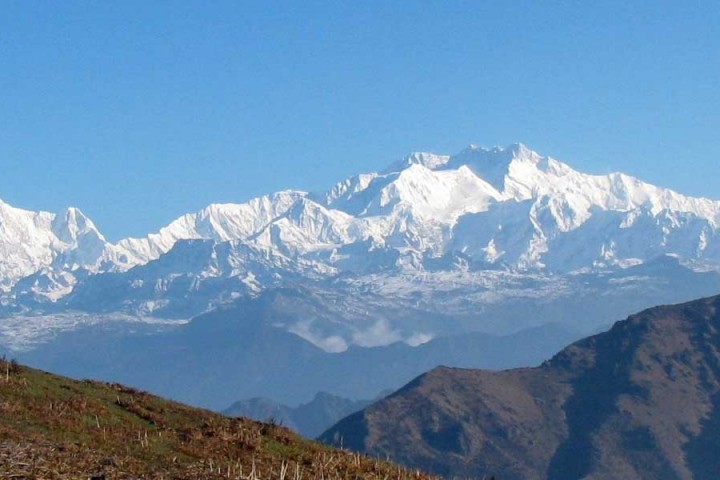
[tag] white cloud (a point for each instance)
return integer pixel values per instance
(331, 344)
(378, 335)
(419, 338)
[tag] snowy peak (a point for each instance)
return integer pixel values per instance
(439, 204)
(84, 245)
(351, 195)
(237, 221)
(71, 224)
(438, 195)
(501, 207)
(493, 165)
(32, 241)
(218, 222)
(515, 170)
(427, 160)
(308, 226)
(519, 174)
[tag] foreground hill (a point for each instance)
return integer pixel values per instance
(641, 401)
(56, 428)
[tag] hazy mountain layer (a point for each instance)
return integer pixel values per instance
(231, 354)
(308, 419)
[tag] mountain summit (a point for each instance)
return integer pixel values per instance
(31, 242)
(509, 206)
(470, 222)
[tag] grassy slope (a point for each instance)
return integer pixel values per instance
(54, 427)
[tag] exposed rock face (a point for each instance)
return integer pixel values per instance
(641, 401)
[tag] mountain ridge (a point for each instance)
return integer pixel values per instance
(308, 419)
(419, 186)
(467, 220)
(637, 402)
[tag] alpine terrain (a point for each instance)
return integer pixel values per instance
(433, 247)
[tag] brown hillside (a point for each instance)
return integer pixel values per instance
(641, 401)
(55, 428)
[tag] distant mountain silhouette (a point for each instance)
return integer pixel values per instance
(641, 401)
(309, 419)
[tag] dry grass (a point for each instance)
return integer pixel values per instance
(55, 428)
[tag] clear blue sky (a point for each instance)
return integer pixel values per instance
(137, 112)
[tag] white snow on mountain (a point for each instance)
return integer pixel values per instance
(22, 333)
(219, 222)
(31, 242)
(508, 208)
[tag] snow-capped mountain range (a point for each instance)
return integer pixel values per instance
(508, 206)
(478, 218)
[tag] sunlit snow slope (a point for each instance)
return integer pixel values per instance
(508, 208)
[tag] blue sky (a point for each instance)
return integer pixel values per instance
(137, 112)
